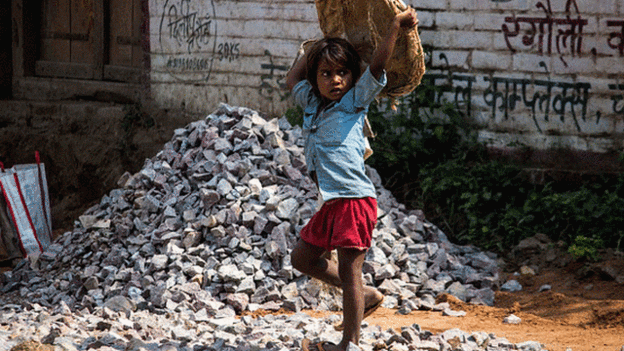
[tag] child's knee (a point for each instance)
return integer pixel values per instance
(299, 260)
(296, 261)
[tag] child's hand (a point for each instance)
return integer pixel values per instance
(407, 18)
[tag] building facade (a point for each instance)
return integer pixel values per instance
(539, 75)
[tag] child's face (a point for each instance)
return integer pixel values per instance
(333, 80)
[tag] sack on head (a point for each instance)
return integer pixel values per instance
(364, 23)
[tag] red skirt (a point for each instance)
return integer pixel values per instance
(346, 223)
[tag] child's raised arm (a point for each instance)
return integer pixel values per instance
(405, 19)
(297, 73)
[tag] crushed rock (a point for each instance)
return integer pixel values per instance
(172, 258)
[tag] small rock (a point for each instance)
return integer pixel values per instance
(511, 286)
(120, 304)
(451, 313)
(526, 270)
(545, 287)
(512, 319)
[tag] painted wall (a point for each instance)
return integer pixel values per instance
(541, 73)
(205, 52)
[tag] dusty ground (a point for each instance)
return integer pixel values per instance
(581, 313)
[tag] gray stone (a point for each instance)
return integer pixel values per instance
(287, 208)
(426, 346)
(209, 197)
(529, 346)
(239, 301)
(120, 304)
(451, 313)
(483, 296)
(204, 231)
(511, 286)
(92, 283)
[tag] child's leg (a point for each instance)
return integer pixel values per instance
(350, 272)
(309, 260)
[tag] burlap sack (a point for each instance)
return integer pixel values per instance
(364, 23)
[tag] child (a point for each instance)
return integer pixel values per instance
(335, 95)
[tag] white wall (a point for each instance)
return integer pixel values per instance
(543, 73)
(205, 52)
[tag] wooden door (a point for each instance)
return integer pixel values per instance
(70, 39)
(125, 57)
(91, 39)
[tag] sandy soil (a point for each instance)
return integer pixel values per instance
(583, 314)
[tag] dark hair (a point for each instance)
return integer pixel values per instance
(336, 51)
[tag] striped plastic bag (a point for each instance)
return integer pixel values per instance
(25, 194)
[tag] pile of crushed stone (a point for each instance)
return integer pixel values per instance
(173, 258)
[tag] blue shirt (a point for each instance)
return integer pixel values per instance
(334, 140)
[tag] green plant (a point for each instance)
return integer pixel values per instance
(587, 248)
(294, 115)
(471, 200)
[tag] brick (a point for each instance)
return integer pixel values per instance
(453, 20)
(594, 125)
(610, 65)
(454, 58)
(481, 118)
(499, 43)
(437, 39)
(426, 19)
(488, 21)
(491, 60)
(616, 94)
(530, 62)
(471, 40)
(593, 24)
(453, 39)
(600, 144)
(599, 44)
(619, 126)
(269, 10)
(516, 5)
(602, 7)
(469, 5)
(481, 84)
(429, 4)
(573, 65)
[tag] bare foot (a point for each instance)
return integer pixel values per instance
(372, 298)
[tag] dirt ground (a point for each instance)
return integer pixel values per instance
(580, 313)
(576, 314)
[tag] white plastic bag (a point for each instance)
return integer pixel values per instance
(25, 191)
